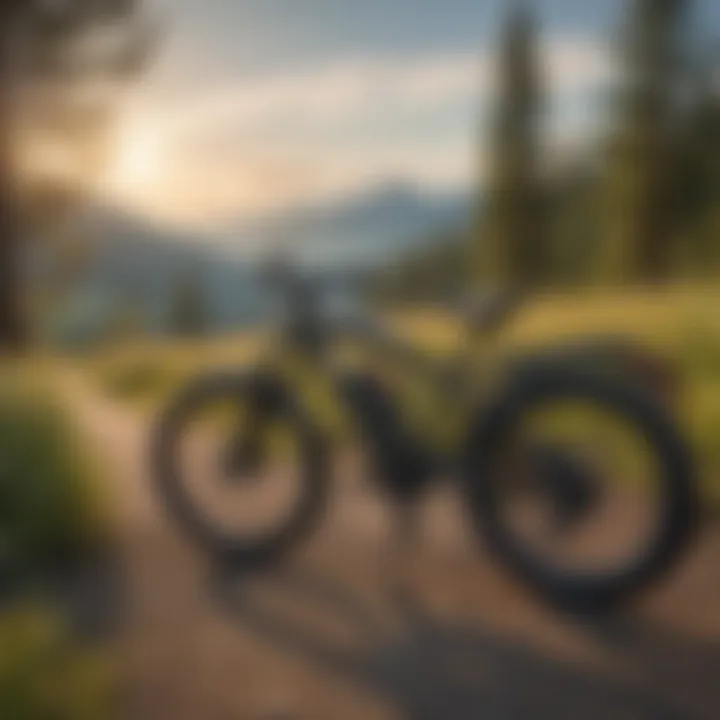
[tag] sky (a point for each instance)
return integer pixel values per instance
(254, 106)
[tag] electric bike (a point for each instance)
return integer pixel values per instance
(571, 467)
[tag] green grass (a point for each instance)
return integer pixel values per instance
(682, 323)
(46, 675)
(54, 516)
(146, 373)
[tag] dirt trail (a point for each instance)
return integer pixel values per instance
(327, 638)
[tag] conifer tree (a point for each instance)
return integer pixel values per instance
(188, 308)
(639, 196)
(45, 54)
(510, 239)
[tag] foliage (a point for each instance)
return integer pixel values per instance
(150, 371)
(440, 271)
(53, 518)
(510, 242)
(135, 378)
(45, 675)
(679, 322)
(61, 68)
(640, 207)
(697, 185)
(189, 314)
(52, 512)
(68, 48)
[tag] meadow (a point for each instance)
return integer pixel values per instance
(680, 323)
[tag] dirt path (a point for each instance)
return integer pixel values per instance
(324, 638)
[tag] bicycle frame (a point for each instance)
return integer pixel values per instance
(476, 411)
(446, 389)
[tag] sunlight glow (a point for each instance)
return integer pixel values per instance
(138, 165)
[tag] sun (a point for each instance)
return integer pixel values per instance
(138, 165)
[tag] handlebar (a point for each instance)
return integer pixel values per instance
(311, 325)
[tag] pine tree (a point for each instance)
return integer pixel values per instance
(639, 210)
(189, 316)
(510, 240)
(43, 58)
(697, 176)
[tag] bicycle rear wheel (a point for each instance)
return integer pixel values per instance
(582, 485)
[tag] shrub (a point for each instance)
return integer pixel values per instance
(45, 675)
(51, 509)
(699, 350)
(135, 379)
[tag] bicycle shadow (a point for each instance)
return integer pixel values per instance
(432, 668)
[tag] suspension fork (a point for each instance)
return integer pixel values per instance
(246, 447)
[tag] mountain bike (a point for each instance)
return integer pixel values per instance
(543, 445)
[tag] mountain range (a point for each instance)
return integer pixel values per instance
(138, 263)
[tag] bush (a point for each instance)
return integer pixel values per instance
(699, 350)
(135, 379)
(51, 510)
(45, 675)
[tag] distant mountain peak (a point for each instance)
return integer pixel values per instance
(363, 231)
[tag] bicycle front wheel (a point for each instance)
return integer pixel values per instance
(240, 466)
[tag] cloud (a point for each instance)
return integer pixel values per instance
(256, 144)
(339, 92)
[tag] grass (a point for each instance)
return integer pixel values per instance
(46, 675)
(53, 518)
(145, 373)
(682, 323)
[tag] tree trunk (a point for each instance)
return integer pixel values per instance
(13, 334)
